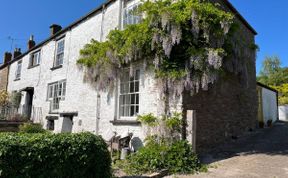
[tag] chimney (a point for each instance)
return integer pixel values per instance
(54, 29)
(7, 57)
(31, 42)
(17, 52)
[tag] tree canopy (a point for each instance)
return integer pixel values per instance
(272, 74)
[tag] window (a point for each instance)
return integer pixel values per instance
(56, 92)
(18, 70)
(129, 16)
(34, 59)
(59, 53)
(129, 95)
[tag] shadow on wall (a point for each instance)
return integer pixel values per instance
(269, 141)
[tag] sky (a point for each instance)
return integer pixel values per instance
(19, 19)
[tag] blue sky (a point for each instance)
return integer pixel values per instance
(20, 18)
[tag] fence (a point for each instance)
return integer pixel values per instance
(21, 113)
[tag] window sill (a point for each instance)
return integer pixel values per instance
(53, 112)
(17, 79)
(52, 118)
(56, 67)
(69, 114)
(30, 67)
(125, 122)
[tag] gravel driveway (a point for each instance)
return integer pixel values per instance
(263, 154)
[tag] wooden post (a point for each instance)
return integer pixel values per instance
(191, 128)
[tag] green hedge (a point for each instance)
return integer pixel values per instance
(31, 128)
(54, 155)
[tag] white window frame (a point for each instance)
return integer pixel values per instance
(18, 70)
(35, 58)
(55, 93)
(128, 18)
(129, 88)
(59, 56)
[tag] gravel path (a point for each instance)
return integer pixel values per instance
(262, 154)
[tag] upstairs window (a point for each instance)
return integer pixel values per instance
(56, 92)
(129, 15)
(129, 95)
(59, 53)
(34, 59)
(18, 70)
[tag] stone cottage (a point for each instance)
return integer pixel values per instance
(53, 90)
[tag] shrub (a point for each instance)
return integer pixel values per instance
(177, 157)
(31, 128)
(50, 155)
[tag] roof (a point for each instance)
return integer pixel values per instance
(267, 87)
(98, 9)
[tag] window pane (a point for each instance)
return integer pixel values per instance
(133, 98)
(137, 75)
(132, 109)
(131, 87)
(136, 86)
(137, 99)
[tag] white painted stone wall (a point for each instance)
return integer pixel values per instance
(270, 110)
(283, 113)
(81, 97)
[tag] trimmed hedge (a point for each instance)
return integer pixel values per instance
(54, 155)
(31, 128)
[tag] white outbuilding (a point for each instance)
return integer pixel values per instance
(268, 104)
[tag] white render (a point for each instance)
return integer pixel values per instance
(269, 105)
(283, 113)
(82, 97)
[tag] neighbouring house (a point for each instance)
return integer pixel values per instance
(52, 84)
(268, 104)
(4, 71)
(283, 112)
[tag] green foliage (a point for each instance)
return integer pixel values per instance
(177, 157)
(4, 96)
(31, 128)
(174, 37)
(148, 119)
(272, 74)
(283, 93)
(50, 155)
(15, 99)
(174, 122)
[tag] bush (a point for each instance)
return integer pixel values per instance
(50, 155)
(31, 128)
(177, 157)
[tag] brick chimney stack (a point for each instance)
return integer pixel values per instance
(54, 28)
(31, 42)
(7, 57)
(17, 52)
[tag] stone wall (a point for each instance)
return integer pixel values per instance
(4, 78)
(230, 106)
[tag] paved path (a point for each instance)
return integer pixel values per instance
(263, 154)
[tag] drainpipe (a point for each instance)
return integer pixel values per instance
(98, 105)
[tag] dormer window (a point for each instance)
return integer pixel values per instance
(59, 53)
(34, 59)
(129, 15)
(18, 70)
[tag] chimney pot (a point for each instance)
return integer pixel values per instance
(7, 57)
(31, 42)
(17, 52)
(54, 28)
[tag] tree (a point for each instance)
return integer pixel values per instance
(275, 76)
